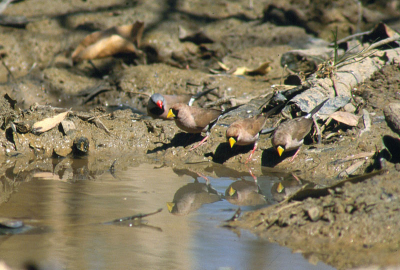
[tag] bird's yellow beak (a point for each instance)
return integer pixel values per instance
(232, 191)
(170, 206)
(232, 141)
(280, 188)
(280, 150)
(170, 114)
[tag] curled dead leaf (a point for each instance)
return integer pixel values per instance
(345, 118)
(48, 123)
(263, 69)
(223, 66)
(100, 44)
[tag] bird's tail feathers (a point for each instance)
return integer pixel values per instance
(200, 94)
(316, 109)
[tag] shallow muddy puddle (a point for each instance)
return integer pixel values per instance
(70, 229)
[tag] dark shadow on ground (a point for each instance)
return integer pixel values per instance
(393, 146)
(225, 152)
(180, 139)
(270, 157)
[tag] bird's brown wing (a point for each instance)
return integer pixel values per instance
(203, 117)
(291, 132)
(299, 128)
(255, 124)
(251, 126)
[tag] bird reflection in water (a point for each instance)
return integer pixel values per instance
(287, 187)
(245, 193)
(192, 196)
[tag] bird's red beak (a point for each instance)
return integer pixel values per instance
(159, 104)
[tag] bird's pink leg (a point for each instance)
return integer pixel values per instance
(252, 152)
(252, 175)
(295, 154)
(200, 143)
(295, 177)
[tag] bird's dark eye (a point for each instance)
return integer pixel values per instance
(175, 112)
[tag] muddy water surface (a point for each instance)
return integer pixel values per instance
(70, 230)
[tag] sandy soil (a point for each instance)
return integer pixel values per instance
(352, 226)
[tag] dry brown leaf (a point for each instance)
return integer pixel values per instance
(345, 118)
(240, 71)
(263, 69)
(48, 123)
(223, 66)
(100, 44)
(106, 47)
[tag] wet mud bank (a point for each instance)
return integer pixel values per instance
(57, 108)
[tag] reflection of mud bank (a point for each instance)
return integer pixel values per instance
(355, 225)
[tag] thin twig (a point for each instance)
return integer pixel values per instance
(134, 217)
(287, 206)
(353, 157)
(139, 93)
(396, 37)
(8, 70)
(318, 130)
(100, 125)
(350, 170)
(98, 116)
(4, 4)
(366, 52)
(352, 36)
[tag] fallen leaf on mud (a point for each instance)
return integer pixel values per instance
(222, 69)
(345, 118)
(350, 170)
(100, 44)
(261, 70)
(223, 66)
(48, 123)
(100, 125)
